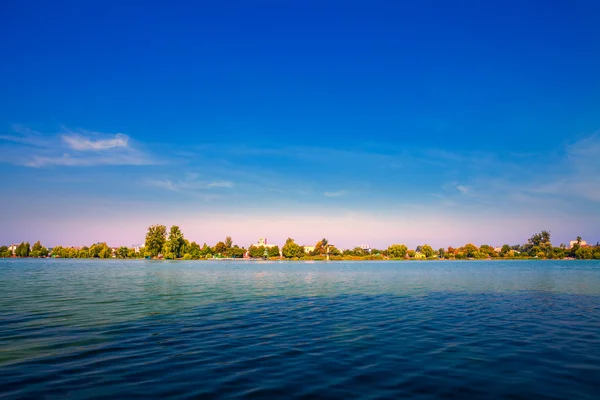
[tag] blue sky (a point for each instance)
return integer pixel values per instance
(364, 122)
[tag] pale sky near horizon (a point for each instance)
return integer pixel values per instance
(363, 122)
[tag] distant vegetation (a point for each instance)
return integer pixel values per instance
(173, 245)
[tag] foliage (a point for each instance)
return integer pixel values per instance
(23, 250)
(274, 251)
(194, 251)
(292, 250)
(122, 252)
(175, 245)
(427, 250)
(397, 251)
(155, 240)
(504, 252)
(5, 252)
(237, 252)
(220, 248)
(256, 251)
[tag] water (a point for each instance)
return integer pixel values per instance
(218, 329)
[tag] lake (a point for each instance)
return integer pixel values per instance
(227, 329)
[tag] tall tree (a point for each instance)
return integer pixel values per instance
(175, 244)
(273, 251)
(427, 250)
(321, 247)
(292, 250)
(397, 251)
(155, 240)
(23, 250)
(220, 248)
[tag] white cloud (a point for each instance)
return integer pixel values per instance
(223, 184)
(335, 194)
(190, 184)
(82, 143)
(462, 188)
(71, 149)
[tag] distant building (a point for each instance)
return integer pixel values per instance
(137, 247)
(574, 242)
(309, 249)
(13, 248)
(365, 247)
(263, 242)
(497, 249)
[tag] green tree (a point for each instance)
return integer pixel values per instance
(292, 250)
(56, 251)
(256, 251)
(37, 250)
(427, 250)
(539, 238)
(105, 251)
(155, 240)
(220, 248)
(23, 250)
(441, 253)
(584, 253)
(487, 250)
(174, 246)
(194, 251)
(504, 252)
(237, 251)
(273, 251)
(122, 252)
(100, 250)
(5, 252)
(83, 252)
(470, 250)
(322, 247)
(228, 242)
(206, 250)
(411, 253)
(397, 251)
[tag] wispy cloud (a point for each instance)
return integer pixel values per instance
(462, 188)
(71, 149)
(335, 194)
(190, 184)
(82, 143)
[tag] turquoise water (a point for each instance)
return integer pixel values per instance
(223, 329)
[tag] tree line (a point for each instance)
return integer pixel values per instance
(172, 244)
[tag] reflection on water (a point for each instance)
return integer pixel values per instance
(85, 328)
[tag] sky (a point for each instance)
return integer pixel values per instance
(365, 122)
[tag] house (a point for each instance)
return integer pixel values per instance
(13, 248)
(309, 249)
(263, 242)
(137, 247)
(574, 242)
(365, 247)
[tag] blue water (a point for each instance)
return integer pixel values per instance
(219, 329)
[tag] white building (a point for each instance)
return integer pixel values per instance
(574, 242)
(13, 248)
(263, 242)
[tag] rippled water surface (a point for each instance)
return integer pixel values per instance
(220, 329)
